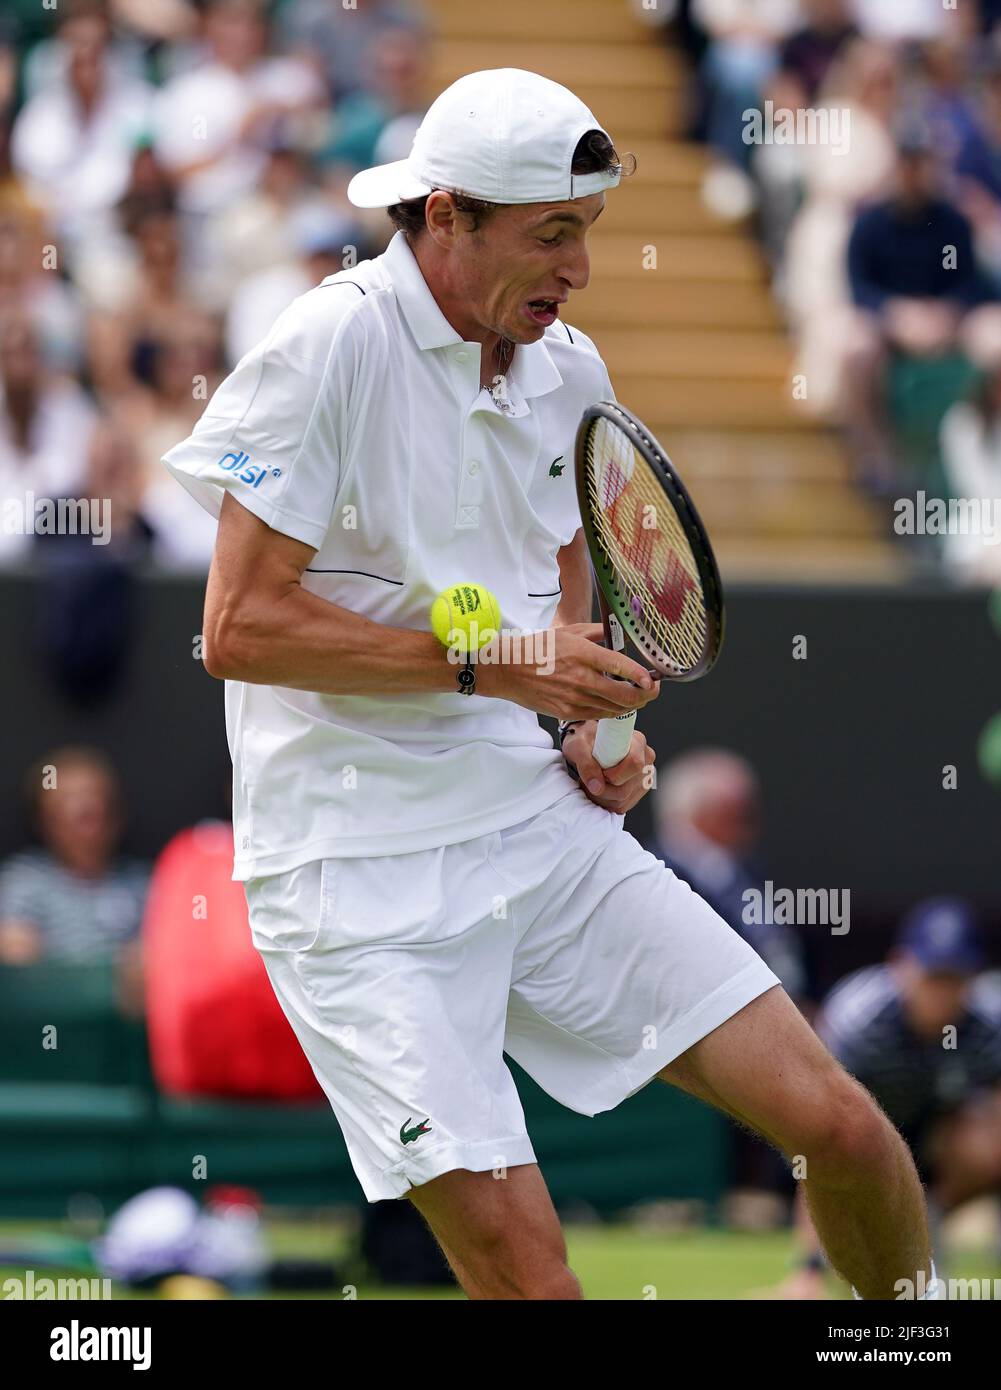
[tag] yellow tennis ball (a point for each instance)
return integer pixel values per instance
(465, 615)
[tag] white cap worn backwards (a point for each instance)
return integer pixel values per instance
(504, 135)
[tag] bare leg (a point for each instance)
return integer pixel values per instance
(767, 1069)
(500, 1235)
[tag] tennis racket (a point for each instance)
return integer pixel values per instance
(653, 566)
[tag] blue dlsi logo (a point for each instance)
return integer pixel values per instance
(253, 473)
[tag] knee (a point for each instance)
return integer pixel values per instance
(843, 1131)
(507, 1264)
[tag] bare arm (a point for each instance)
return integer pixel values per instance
(263, 627)
(575, 581)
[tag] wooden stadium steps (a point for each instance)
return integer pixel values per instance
(816, 560)
(632, 115)
(610, 303)
(573, 61)
(645, 201)
(626, 256)
(781, 509)
(547, 21)
(749, 356)
(709, 457)
(709, 401)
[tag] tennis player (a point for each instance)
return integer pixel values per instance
(428, 885)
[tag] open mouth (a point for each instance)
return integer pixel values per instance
(544, 311)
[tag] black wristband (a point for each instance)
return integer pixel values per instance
(562, 729)
(465, 676)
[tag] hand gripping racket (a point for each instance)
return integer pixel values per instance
(654, 568)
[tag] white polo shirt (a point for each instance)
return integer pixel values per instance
(359, 427)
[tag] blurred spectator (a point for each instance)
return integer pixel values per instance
(72, 140)
(76, 898)
(45, 427)
(396, 68)
(978, 169)
(707, 810)
(924, 1036)
(943, 96)
(255, 233)
(186, 367)
(337, 39)
(971, 457)
(28, 290)
(213, 124)
(154, 295)
(85, 604)
(864, 85)
(805, 57)
(743, 53)
(105, 264)
(324, 241)
(918, 290)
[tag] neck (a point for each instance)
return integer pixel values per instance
(495, 352)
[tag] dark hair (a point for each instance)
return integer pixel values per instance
(594, 154)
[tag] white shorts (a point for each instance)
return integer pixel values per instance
(559, 941)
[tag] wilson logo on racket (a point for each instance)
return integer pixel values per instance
(652, 554)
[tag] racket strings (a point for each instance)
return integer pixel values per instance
(646, 545)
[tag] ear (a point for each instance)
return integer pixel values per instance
(442, 218)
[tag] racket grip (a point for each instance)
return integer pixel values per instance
(611, 742)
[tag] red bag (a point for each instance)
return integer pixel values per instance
(215, 1026)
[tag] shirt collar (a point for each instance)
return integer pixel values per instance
(533, 372)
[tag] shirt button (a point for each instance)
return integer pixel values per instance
(474, 468)
(462, 357)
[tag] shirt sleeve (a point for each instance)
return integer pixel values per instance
(271, 434)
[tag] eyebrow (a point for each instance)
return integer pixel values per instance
(572, 217)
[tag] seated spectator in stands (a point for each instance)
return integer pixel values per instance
(156, 295)
(918, 291)
(256, 232)
(76, 897)
(805, 57)
(942, 93)
(743, 53)
(336, 38)
(324, 242)
(923, 1034)
(45, 427)
(187, 353)
(213, 124)
(28, 290)
(864, 84)
(396, 68)
(971, 458)
(106, 263)
(72, 140)
(978, 170)
(85, 613)
(707, 809)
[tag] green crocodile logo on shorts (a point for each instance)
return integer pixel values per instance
(556, 468)
(410, 1136)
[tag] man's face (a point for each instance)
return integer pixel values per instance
(78, 819)
(932, 998)
(515, 271)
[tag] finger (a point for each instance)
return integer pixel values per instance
(619, 665)
(591, 773)
(623, 694)
(631, 766)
